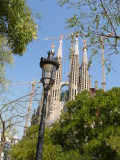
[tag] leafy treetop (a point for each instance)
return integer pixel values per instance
(96, 18)
(89, 130)
(17, 25)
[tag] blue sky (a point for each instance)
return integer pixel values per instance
(52, 24)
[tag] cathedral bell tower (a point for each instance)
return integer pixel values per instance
(85, 79)
(74, 69)
(55, 92)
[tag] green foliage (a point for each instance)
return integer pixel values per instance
(17, 29)
(89, 130)
(91, 125)
(26, 149)
(93, 19)
(73, 21)
(6, 57)
(71, 155)
(17, 25)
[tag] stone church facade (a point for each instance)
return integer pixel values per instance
(79, 80)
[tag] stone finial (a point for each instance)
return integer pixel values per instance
(76, 46)
(84, 57)
(59, 54)
(72, 43)
(60, 43)
(96, 85)
(53, 47)
(66, 82)
(84, 41)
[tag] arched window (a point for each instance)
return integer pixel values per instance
(53, 93)
(75, 92)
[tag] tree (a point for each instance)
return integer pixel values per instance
(91, 125)
(89, 130)
(17, 25)
(26, 149)
(96, 18)
(17, 29)
(12, 114)
(6, 57)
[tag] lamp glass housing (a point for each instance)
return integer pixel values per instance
(49, 67)
(47, 73)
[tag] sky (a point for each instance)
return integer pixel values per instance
(52, 24)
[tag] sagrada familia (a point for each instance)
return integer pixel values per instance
(79, 80)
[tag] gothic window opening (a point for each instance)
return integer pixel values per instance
(53, 93)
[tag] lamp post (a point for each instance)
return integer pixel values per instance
(49, 67)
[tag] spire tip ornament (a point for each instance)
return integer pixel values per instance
(84, 41)
(61, 37)
(53, 47)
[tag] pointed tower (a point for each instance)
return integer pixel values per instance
(103, 65)
(74, 69)
(85, 79)
(70, 72)
(55, 91)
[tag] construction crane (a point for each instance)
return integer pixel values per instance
(23, 83)
(62, 36)
(30, 101)
(66, 36)
(29, 107)
(103, 64)
(56, 37)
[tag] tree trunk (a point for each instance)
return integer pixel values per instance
(1, 148)
(3, 138)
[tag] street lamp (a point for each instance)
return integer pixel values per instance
(49, 67)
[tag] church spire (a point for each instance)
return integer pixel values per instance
(54, 106)
(74, 69)
(84, 57)
(76, 46)
(103, 64)
(59, 53)
(85, 80)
